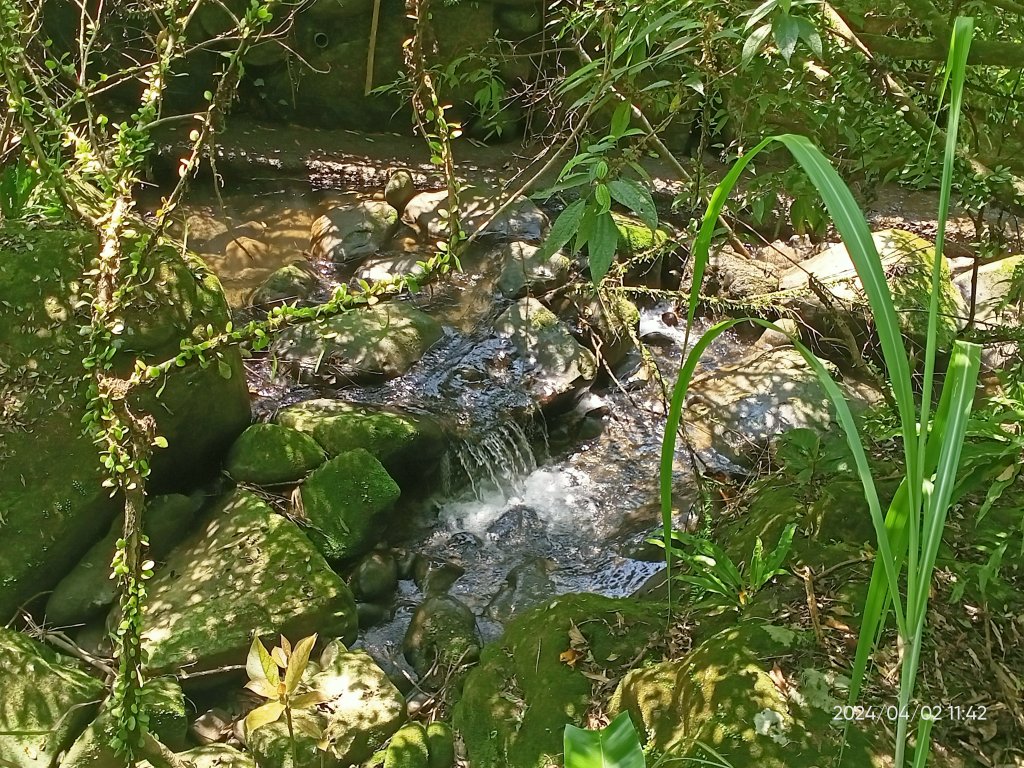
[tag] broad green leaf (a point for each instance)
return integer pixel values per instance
(601, 246)
(754, 42)
(637, 198)
(620, 119)
(298, 662)
(786, 31)
(563, 230)
(616, 746)
(809, 34)
(263, 715)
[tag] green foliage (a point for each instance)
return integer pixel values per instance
(711, 571)
(614, 746)
(598, 174)
(911, 532)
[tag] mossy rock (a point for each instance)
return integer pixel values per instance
(361, 346)
(269, 454)
(442, 631)
(272, 746)
(441, 745)
(247, 571)
(52, 506)
(45, 696)
(720, 695)
(288, 284)
(408, 445)
(516, 703)
(345, 501)
(212, 756)
(635, 237)
(365, 708)
(88, 590)
(165, 704)
(408, 748)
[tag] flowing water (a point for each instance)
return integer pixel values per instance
(524, 507)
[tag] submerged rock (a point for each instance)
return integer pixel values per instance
(88, 590)
(364, 706)
(46, 701)
(516, 703)
(376, 577)
(732, 412)
(907, 260)
(408, 445)
(345, 501)
(52, 506)
(248, 571)
(443, 632)
(349, 234)
(556, 362)
(360, 346)
(269, 454)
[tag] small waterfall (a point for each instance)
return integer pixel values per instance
(497, 461)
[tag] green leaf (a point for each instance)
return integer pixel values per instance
(753, 43)
(786, 31)
(297, 662)
(601, 246)
(562, 231)
(635, 197)
(263, 715)
(224, 369)
(160, 441)
(620, 119)
(616, 746)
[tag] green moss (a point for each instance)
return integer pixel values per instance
(721, 695)
(52, 507)
(517, 701)
(441, 745)
(345, 500)
(45, 696)
(269, 454)
(635, 237)
(408, 748)
(248, 570)
(406, 444)
(271, 744)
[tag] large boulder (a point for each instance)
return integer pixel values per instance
(165, 705)
(556, 363)
(288, 284)
(345, 502)
(45, 702)
(274, 747)
(269, 454)
(360, 346)
(212, 756)
(88, 590)
(348, 235)
(533, 682)
(52, 506)
(722, 696)
(248, 571)
(407, 444)
(364, 707)
(907, 260)
(732, 412)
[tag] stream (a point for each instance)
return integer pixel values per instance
(525, 506)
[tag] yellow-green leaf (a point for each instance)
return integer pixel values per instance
(263, 715)
(297, 663)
